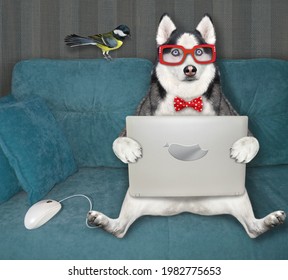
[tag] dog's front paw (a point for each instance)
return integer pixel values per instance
(127, 149)
(245, 149)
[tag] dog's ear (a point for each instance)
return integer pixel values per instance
(165, 28)
(206, 28)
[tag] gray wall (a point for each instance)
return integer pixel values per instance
(36, 28)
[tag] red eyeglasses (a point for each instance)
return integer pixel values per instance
(176, 55)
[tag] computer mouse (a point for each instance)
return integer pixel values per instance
(41, 212)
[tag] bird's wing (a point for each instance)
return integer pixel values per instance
(97, 38)
(105, 39)
(110, 40)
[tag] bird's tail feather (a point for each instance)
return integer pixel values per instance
(74, 40)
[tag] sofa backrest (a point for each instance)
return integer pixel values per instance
(258, 88)
(89, 98)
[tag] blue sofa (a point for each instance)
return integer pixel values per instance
(57, 128)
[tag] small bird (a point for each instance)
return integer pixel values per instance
(186, 153)
(106, 42)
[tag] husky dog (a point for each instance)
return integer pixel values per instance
(191, 77)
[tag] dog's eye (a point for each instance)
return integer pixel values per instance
(175, 52)
(198, 52)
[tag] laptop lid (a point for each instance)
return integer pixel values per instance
(186, 156)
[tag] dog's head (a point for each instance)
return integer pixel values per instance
(195, 64)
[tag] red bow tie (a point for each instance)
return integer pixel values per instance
(196, 104)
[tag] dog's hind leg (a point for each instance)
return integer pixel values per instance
(130, 211)
(237, 206)
(133, 208)
(241, 209)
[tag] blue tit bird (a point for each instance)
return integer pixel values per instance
(106, 42)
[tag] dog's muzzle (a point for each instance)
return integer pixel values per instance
(190, 71)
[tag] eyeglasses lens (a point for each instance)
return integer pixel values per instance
(203, 54)
(172, 55)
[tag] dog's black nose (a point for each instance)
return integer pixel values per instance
(190, 70)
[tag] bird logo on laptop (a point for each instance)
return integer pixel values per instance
(186, 152)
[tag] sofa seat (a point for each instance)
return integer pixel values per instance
(184, 236)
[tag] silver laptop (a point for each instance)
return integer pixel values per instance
(186, 156)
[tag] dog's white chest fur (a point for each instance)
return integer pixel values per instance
(166, 107)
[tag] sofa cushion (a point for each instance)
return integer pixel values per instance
(35, 146)
(259, 88)
(9, 185)
(89, 98)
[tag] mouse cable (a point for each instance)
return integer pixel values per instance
(90, 204)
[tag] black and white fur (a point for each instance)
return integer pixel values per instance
(193, 81)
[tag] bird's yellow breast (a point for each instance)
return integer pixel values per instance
(105, 48)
